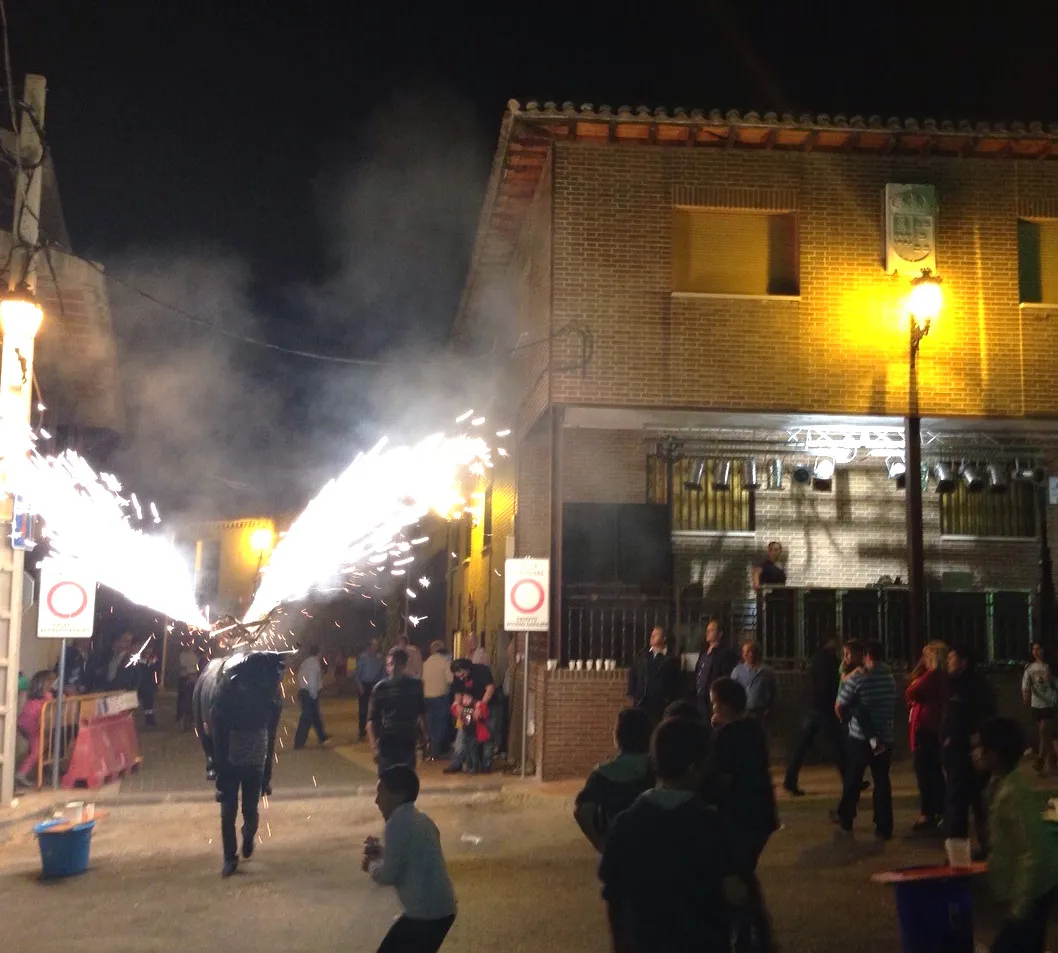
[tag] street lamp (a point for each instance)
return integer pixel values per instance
(923, 305)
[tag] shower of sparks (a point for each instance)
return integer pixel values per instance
(135, 658)
(424, 582)
(86, 518)
(360, 517)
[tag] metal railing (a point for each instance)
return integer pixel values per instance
(995, 625)
(75, 710)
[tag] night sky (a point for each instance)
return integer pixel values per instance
(313, 175)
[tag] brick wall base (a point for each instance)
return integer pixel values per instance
(574, 713)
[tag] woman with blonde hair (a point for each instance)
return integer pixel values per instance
(925, 697)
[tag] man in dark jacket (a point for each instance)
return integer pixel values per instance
(718, 660)
(654, 678)
(970, 702)
(824, 675)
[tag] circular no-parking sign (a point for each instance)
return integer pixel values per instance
(527, 595)
(67, 599)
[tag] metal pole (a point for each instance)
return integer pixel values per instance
(56, 742)
(525, 706)
(16, 384)
(916, 573)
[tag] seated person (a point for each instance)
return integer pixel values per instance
(614, 785)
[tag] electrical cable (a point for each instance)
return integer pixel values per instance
(8, 71)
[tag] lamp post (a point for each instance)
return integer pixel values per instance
(924, 305)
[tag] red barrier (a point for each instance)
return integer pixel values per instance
(106, 748)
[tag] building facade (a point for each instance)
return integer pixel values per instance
(705, 322)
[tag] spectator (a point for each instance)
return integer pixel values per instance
(970, 702)
(148, 670)
(769, 572)
(185, 686)
(28, 725)
(436, 684)
(414, 667)
(472, 718)
(120, 676)
(310, 681)
(868, 700)
(1040, 692)
(73, 670)
(654, 678)
(410, 860)
(825, 674)
(716, 661)
(474, 649)
(614, 785)
(757, 679)
(476, 681)
(925, 696)
(370, 667)
(397, 717)
(1022, 866)
(667, 869)
(741, 773)
(341, 670)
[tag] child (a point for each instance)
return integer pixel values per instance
(473, 717)
(1022, 863)
(614, 785)
(669, 874)
(28, 725)
(411, 860)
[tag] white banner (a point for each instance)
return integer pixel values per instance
(527, 595)
(67, 601)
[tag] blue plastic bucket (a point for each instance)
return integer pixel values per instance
(936, 916)
(64, 853)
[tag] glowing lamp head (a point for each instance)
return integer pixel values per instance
(926, 298)
(20, 314)
(261, 539)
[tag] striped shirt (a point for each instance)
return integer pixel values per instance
(873, 691)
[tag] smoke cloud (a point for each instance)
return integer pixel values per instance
(220, 427)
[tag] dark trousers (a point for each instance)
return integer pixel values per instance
(929, 773)
(437, 718)
(964, 789)
(184, 690)
(1028, 935)
(752, 924)
(416, 936)
(229, 781)
(393, 751)
(860, 758)
(817, 723)
(310, 718)
(363, 701)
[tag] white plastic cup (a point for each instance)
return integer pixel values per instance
(611, 664)
(552, 664)
(89, 812)
(958, 850)
(572, 665)
(580, 664)
(75, 812)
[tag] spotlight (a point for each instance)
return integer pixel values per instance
(695, 475)
(775, 474)
(801, 473)
(750, 475)
(1027, 470)
(997, 478)
(897, 470)
(973, 477)
(823, 474)
(722, 476)
(944, 474)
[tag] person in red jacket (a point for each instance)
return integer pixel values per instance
(925, 696)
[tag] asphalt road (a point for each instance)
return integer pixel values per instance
(524, 877)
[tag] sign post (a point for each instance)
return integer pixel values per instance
(67, 611)
(526, 608)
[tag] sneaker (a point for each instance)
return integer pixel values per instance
(248, 844)
(230, 866)
(22, 783)
(793, 790)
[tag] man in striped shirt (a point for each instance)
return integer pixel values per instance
(867, 700)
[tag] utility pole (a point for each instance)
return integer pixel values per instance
(16, 400)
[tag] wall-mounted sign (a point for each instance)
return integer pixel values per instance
(910, 229)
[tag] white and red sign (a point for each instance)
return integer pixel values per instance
(67, 601)
(527, 595)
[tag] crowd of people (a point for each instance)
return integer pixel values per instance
(690, 788)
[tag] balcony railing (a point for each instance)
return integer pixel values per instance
(995, 625)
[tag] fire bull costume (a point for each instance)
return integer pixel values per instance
(236, 706)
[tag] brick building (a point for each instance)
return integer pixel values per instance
(707, 326)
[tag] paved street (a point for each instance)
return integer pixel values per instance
(527, 884)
